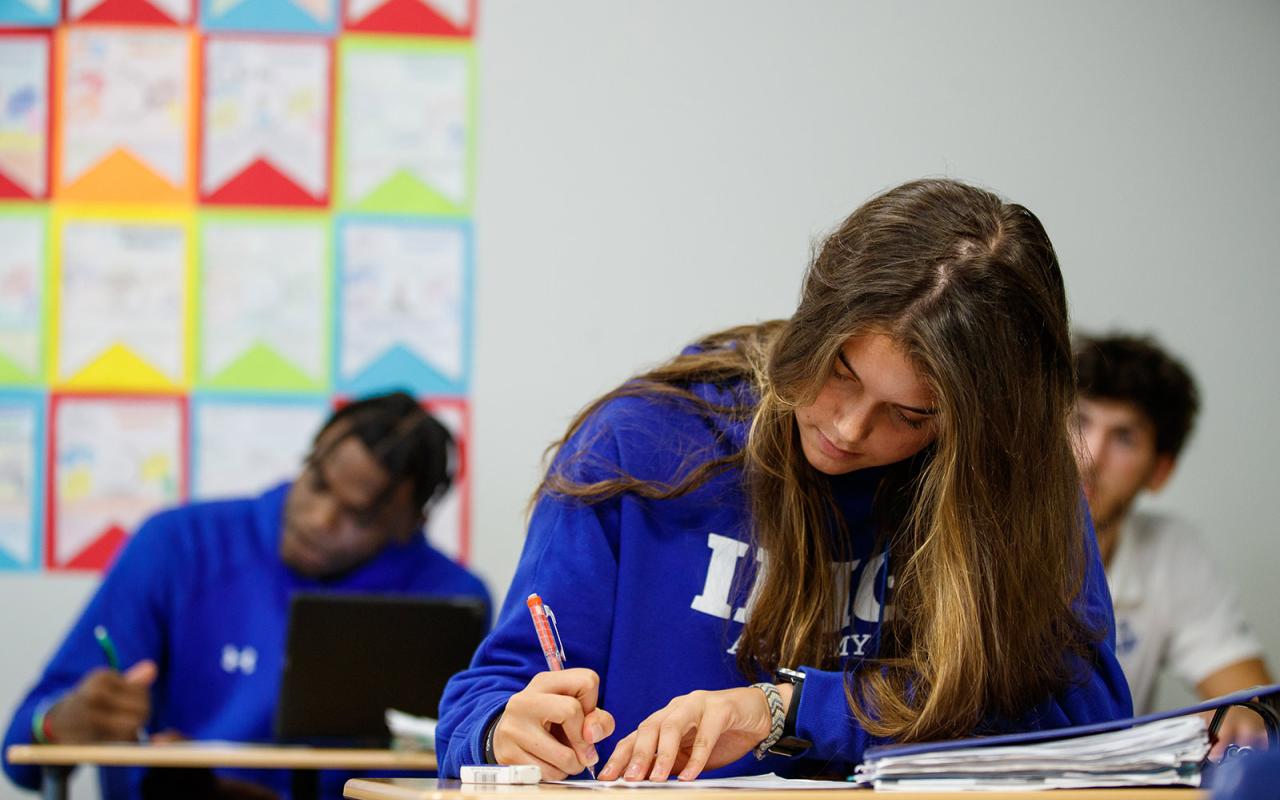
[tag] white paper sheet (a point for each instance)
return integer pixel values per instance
(264, 282)
(126, 88)
(267, 100)
(244, 448)
(125, 284)
(406, 110)
(117, 461)
(21, 288)
(18, 479)
(769, 781)
(24, 111)
(402, 284)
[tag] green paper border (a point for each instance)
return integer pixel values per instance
(276, 217)
(435, 206)
(39, 211)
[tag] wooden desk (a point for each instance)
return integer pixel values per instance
(429, 789)
(58, 759)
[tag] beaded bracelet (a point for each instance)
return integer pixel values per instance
(40, 730)
(777, 718)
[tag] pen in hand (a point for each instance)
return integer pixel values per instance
(113, 661)
(548, 639)
(108, 646)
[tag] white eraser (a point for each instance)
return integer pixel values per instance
(513, 773)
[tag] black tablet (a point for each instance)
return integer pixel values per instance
(350, 657)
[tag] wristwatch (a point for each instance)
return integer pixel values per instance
(790, 744)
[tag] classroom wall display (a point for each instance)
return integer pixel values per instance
(266, 122)
(114, 461)
(404, 289)
(280, 16)
(24, 13)
(21, 479)
(221, 219)
(26, 75)
(242, 446)
(405, 140)
(22, 283)
(428, 17)
(124, 128)
(264, 301)
(119, 306)
(450, 518)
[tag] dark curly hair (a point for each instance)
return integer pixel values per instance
(1135, 369)
(406, 440)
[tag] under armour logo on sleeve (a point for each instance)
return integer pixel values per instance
(243, 660)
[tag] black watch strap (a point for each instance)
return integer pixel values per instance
(489, 757)
(790, 744)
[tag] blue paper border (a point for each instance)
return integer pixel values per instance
(265, 16)
(411, 373)
(16, 14)
(39, 402)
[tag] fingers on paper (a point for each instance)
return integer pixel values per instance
(704, 738)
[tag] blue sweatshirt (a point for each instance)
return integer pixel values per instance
(652, 595)
(201, 590)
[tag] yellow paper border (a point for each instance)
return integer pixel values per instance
(61, 215)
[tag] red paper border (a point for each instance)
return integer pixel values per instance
(314, 202)
(432, 23)
(462, 480)
(56, 399)
(154, 18)
(17, 193)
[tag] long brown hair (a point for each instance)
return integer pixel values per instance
(984, 527)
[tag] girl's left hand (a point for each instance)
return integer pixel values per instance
(696, 731)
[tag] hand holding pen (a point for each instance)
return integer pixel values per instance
(107, 705)
(553, 722)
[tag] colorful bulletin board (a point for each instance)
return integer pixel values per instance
(220, 219)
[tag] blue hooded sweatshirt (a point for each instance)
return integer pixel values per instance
(652, 595)
(201, 590)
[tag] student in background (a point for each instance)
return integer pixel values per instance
(878, 494)
(197, 602)
(1137, 407)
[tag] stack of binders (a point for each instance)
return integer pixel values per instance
(1169, 748)
(1162, 753)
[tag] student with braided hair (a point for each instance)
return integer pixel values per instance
(197, 602)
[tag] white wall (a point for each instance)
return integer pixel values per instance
(651, 171)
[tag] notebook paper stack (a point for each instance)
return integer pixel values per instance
(1163, 752)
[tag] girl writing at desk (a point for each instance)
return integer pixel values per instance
(877, 495)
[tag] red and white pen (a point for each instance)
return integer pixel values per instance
(544, 622)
